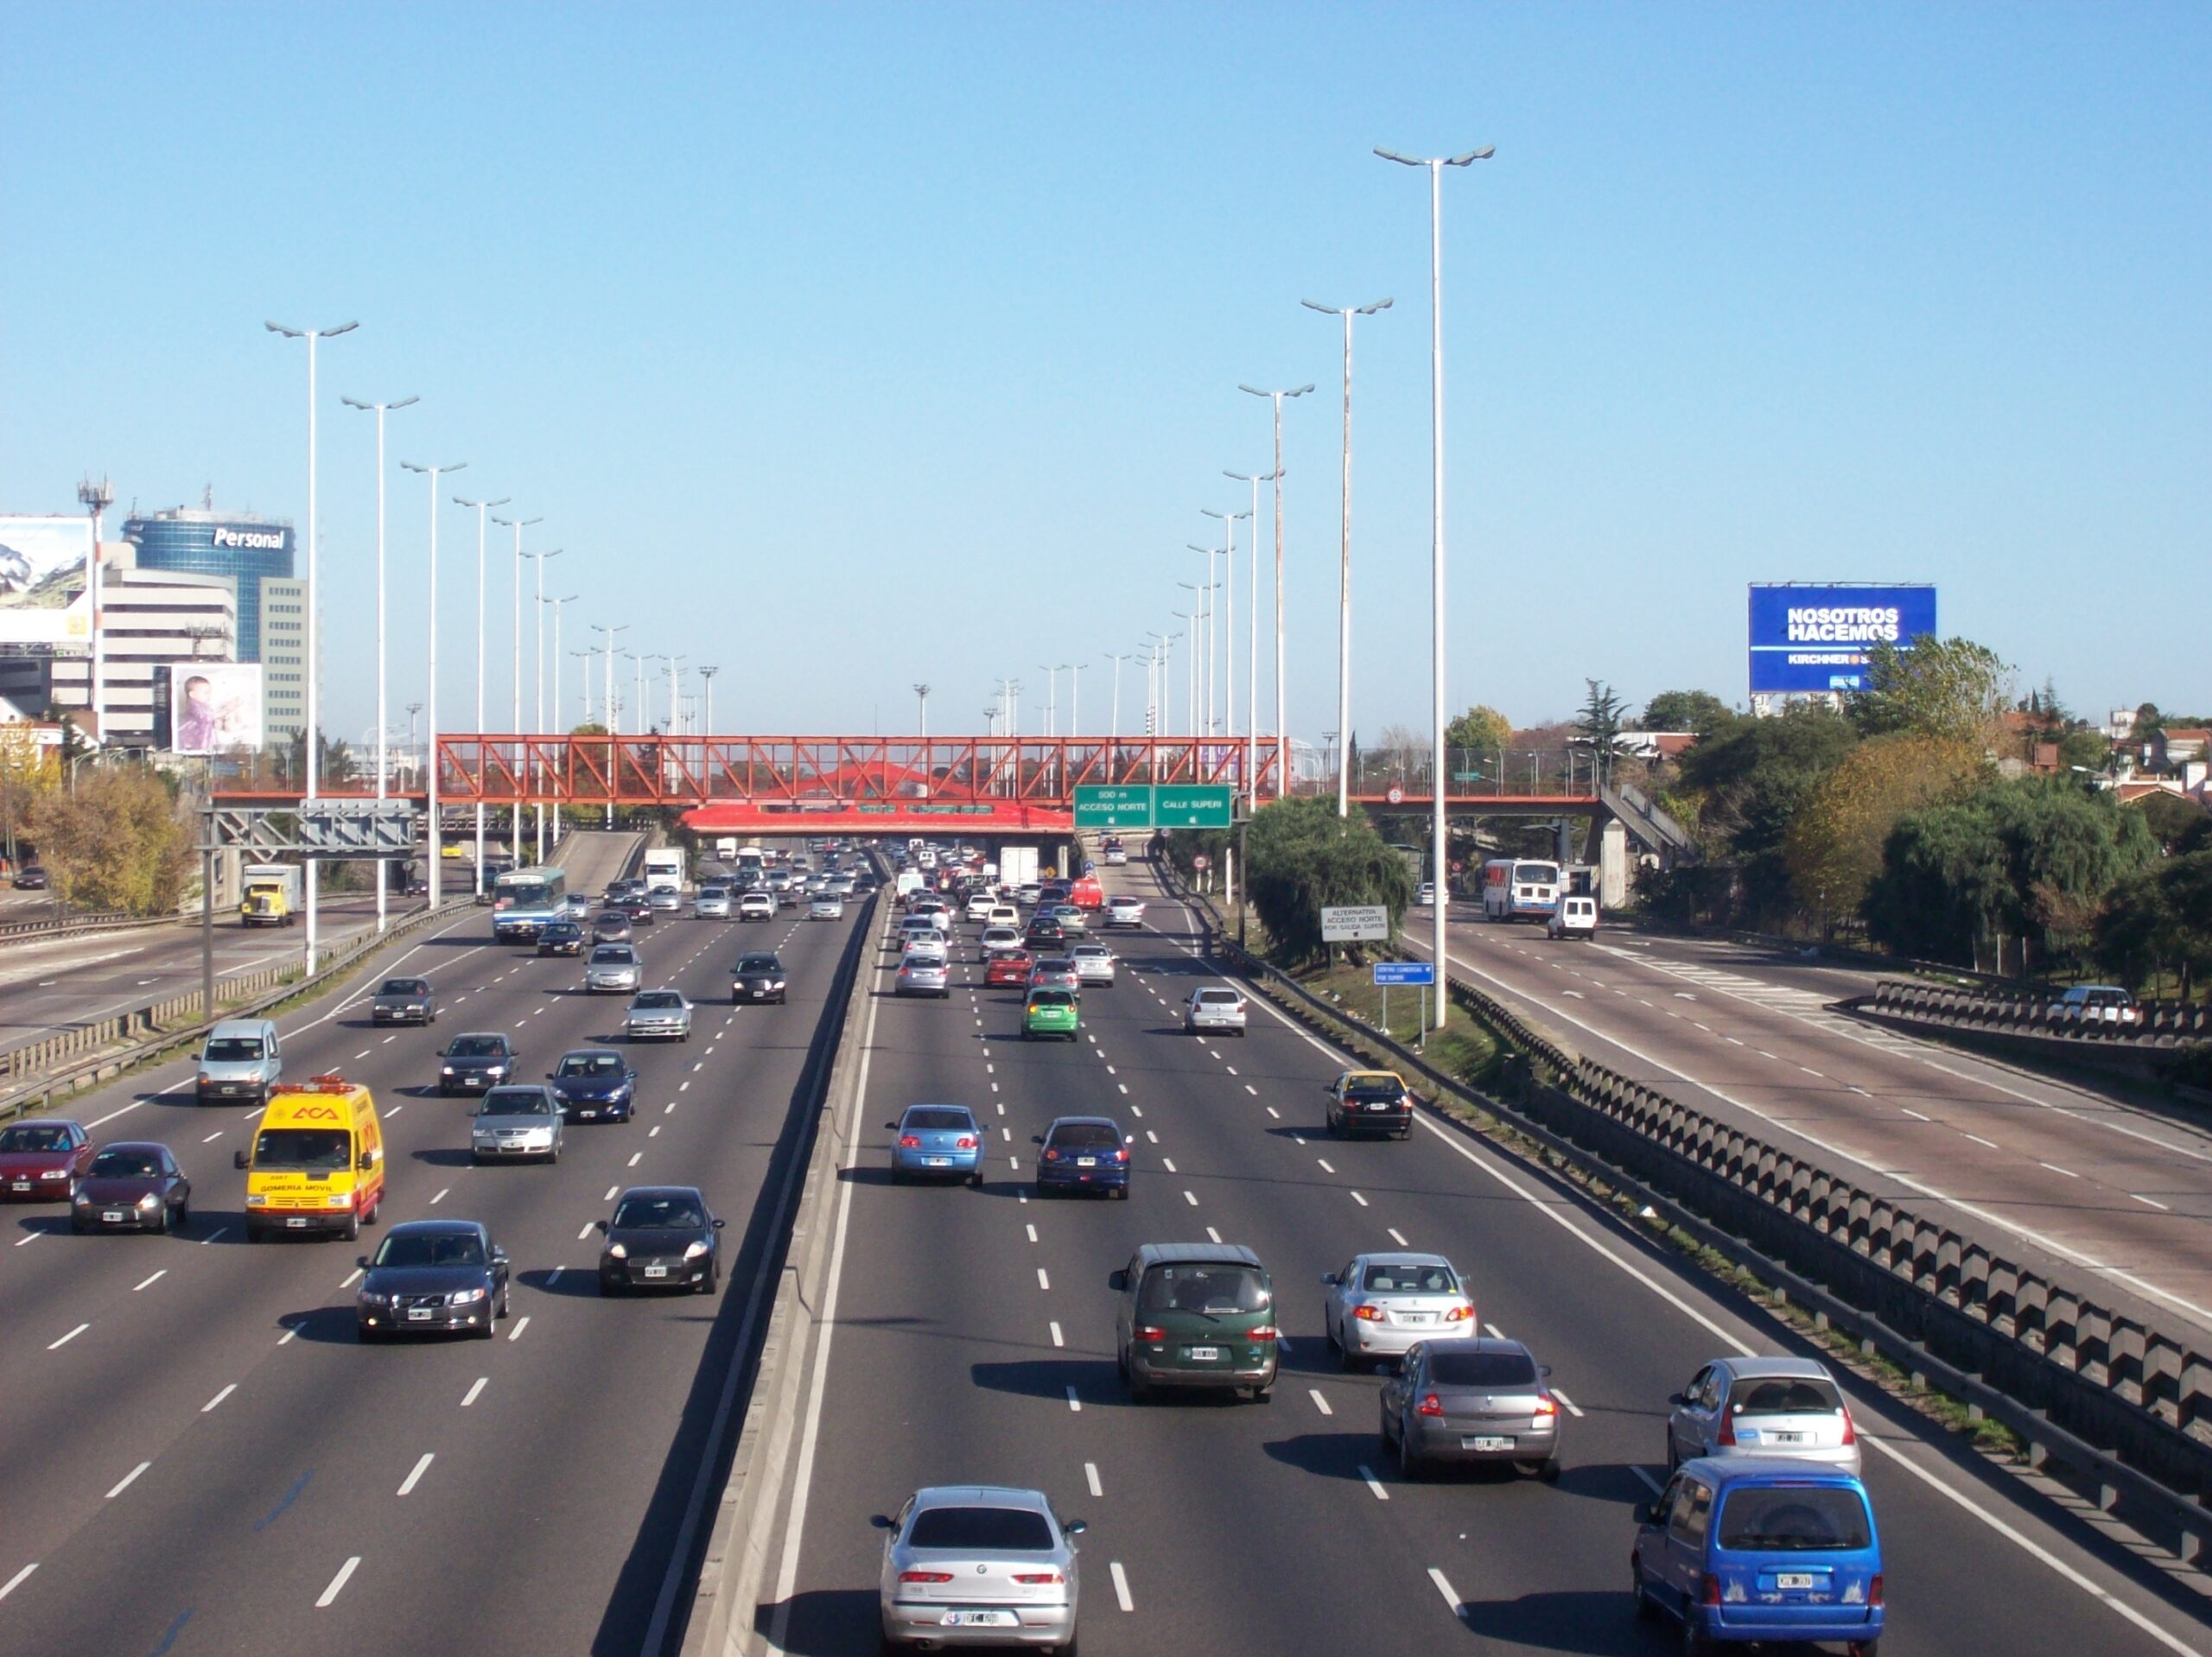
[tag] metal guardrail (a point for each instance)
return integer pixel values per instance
(99, 920)
(2160, 1024)
(2127, 1405)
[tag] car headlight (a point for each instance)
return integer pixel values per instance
(256, 1200)
(616, 1251)
(342, 1199)
(776, 984)
(469, 1296)
(205, 1079)
(446, 1070)
(692, 1251)
(371, 1298)
(149, 1201)
(55, 1173)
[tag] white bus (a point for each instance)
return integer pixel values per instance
(1520, 889)
(664, 869)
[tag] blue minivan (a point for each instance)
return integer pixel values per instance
(1751, 1549)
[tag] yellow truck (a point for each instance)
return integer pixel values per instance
(317, 1163)
(272, 894)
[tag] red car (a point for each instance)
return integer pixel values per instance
(41, 1161)
(1008, 967)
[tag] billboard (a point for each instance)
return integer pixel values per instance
(44, 609)
(1814, 638)
(214, 706)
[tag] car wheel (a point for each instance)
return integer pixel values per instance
(1263, 1395)
(75, 1229)
(1646, 1607)
(1549, 1471)
(1409, 1458)
(976, 1179)
(1864, 1648)
(1121, 1193)
(353, 1230)
(1673, 1461)
(712, 1282)
(1354, 1362)
(489, 1327)
(1067, 1648)
(184, 1213)
(366, 1336)
(608, 1289)
(1694, 1643)
(506, 1308)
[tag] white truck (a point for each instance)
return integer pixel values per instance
(663, 869)
(1017, 865)
(272, 894)
(726, 849)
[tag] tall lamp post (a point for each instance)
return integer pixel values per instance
(1436, 166)
(1344, 560)
(707, 679)
(482, 769)
(1283, 733)
(1229, 621)
(538, 725)
(436, 840)
(555, 604)
(514, 727)
(313, 779)
(1074, 697)
(384, 767)
(1114, 723)
(96, 497)
(607, 710)
(922, 696)
(1252, 585)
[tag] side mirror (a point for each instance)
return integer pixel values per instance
(1641, 1512)
(892, 1127)
(1118, 1282)
(549, 1076)
(629, 1075)
(1329, 1278)
(720, 1223)
(368, 1161)
(499, 1254)
(1545, 1370)
(599, 1225)
(1676, 1399)
(239, 1160)
(361, 1261)
(1036, 1139)
(1076, 1527)
(882, 1521)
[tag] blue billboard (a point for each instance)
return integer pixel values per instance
(1816, 638)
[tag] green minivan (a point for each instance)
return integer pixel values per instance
(1195, 1315)
(1050, 1013)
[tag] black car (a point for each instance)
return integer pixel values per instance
(594, 1084)
(433, 1276)
(638, 908)
(661, 1237)
(474, 1062)
(131, 1186)
(30, 877)
(756, 978)
(1370, 1102)
(561, 938)
(1045, 929)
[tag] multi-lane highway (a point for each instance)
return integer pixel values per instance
(971, 1338)
(2066, 1179)
(199, 1457)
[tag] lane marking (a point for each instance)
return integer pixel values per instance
(151, 1281)
(1915, 1115)
(1357, 1198)
(1167, 1163)
(1373, 1484)
(421, 1467)
(1325, 1168)
(2147, 1202)
(1397, 1237)
(54, 1346)
(1451, 1594)
(1978, 1139)
(1090, 1477)
(1055, 1327)
(338, 1583)
(17, 1581)
(1319, 1402)
(475, 1392)
(1567, 1403)
(1075, 1404)
(128, 1479)
(219, 1398)
(1215, 1236)
(1122, 1587)
(1043, 1281)
(521, 1324)
(1191, 1198)
(2056, 1169)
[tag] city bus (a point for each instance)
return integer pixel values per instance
(1519, 889)
(523, 900)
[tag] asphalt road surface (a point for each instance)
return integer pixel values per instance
(971, 1339)
(199, 1457)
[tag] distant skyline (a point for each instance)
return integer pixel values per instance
(850, 348)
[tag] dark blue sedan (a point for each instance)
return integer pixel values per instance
(594, 1085)
(1084, 1153)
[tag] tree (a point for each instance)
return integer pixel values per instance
(27, 770)
(1600, 724)
(1481, 730)
(1404, 750)
(1744, 781)
(1951, 688)
(2177, 822)
(1683, 710)
(115, 839)
(2149, 722)
(2157, 918)
(1834, 839)
(1302, 857)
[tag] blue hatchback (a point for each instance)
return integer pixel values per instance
(937, 1142)
(1084, 1153)
(1751, 1548)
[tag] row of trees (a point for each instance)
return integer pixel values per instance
(1302, 857)
(113, 837)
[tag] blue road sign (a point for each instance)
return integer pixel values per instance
(1393, 974)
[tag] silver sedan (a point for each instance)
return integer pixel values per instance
(657, 1015)
(1377, 1305)
(612, 967)
(978, 1564)
(511, 1123)
(826, 906)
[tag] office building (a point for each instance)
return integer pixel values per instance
(284, 658)
(249, 551)
(152, 620)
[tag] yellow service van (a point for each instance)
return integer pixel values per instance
(317, 1163)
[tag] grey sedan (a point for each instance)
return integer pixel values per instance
(514, 1122)
(404, 1000)
(923, 973)
(612, 967)
(978, 1564)
(1482, 1401)
(826, 906)
(657, 1015)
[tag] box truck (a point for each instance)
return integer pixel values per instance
(1017, 865)
(272, 894)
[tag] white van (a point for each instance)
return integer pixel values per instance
(1575, 917)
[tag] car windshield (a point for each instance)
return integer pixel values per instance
(659, 1214)
(1056, 963)
(1371, 1088)
(1794, 1518)
(611, 956)
(477, 1047)
(1214, 1289)
(231, 1049)
(1050, 998)
(405, 986)
(1218, 997)
(431, 1248)
(944, 1119)
(1411, 1278)
(759, 963)
(34, 1138)
(563, 930)
(590, 1064)
(1085, 1136)
(1021, 1530)
(1784, 1396)
(516, 1102)
(314, 1149)
(1483, 1370)
(656, 998)
(113, 1164)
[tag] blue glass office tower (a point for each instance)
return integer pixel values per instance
(247, 549)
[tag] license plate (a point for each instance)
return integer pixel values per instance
(978, 1620)
(1086, 1162)
(656, 1270)
(296, 1222)
(1793, 1579)
(1486, 1442)
(1378, 1107)
(1784, 1438)
(21, 1185)
(939, 1162)
(418, 1314)
(1416, 1317)
(1202, 1354)
(113, 1216)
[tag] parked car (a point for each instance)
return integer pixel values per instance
(561, 938)
(657, 1015)
(432, 1277)
(512, 1122)
(1482, 1401)
(404, 1000)
(1379, 1305)
(1214, 1007)
(131, 1186)
(1371, 1102)
(594, 1084)
(1084, 1153)
(993, 1565)
(1762, 1406)
(660, 1237)
(1050, 1013)
(612, 967)
(476, 1061)
(242, 1059)
(923, 972)
(1197, 1315)
(1755, 1549)
(938, 1142)
(758, 977)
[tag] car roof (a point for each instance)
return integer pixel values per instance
(980, 1496)
(629, 1191)
(46, 1121)
(134, 1145)
(240, 1027)
(1765, 1469)
(1197, 1253)
(591, 1052)
(1080, 1121)
(1406, 1257)
(436, 1227)
(1763, 1368)
(929, 1104)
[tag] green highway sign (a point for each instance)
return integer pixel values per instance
(1103, 806)
(1187, 805)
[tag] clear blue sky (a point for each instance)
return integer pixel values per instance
(848, 346)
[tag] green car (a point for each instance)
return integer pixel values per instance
(1050, 1013)
(1195, 1316)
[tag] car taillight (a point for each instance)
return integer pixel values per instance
(1430, 1405)
(1051, 1155)
(909, 1142)
(926, 1576)
(1458, 1314)
(965, 1142)
(1037, 1578)
(1367, 1314)
(1546, 1404)
(1874, 1590)
(1264, 1332)
(1727, 1433)
(1850, 1432)
(1149, 1333)
(1709, 1589)
(1121, 1156)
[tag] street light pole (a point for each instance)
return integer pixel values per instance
(96, 498)
(1344, 563)
(1113, 724)
(314, 778)
(1282, 732)
(1252, 653)
(1075, 698)
(517, 524)
(607, 710)
(1228, 622)
(482, 769)
(1441, 861)
(555, 604)
(437, 839)
(537, 725)
(383, 724)
(706, 675)
(922, 696)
